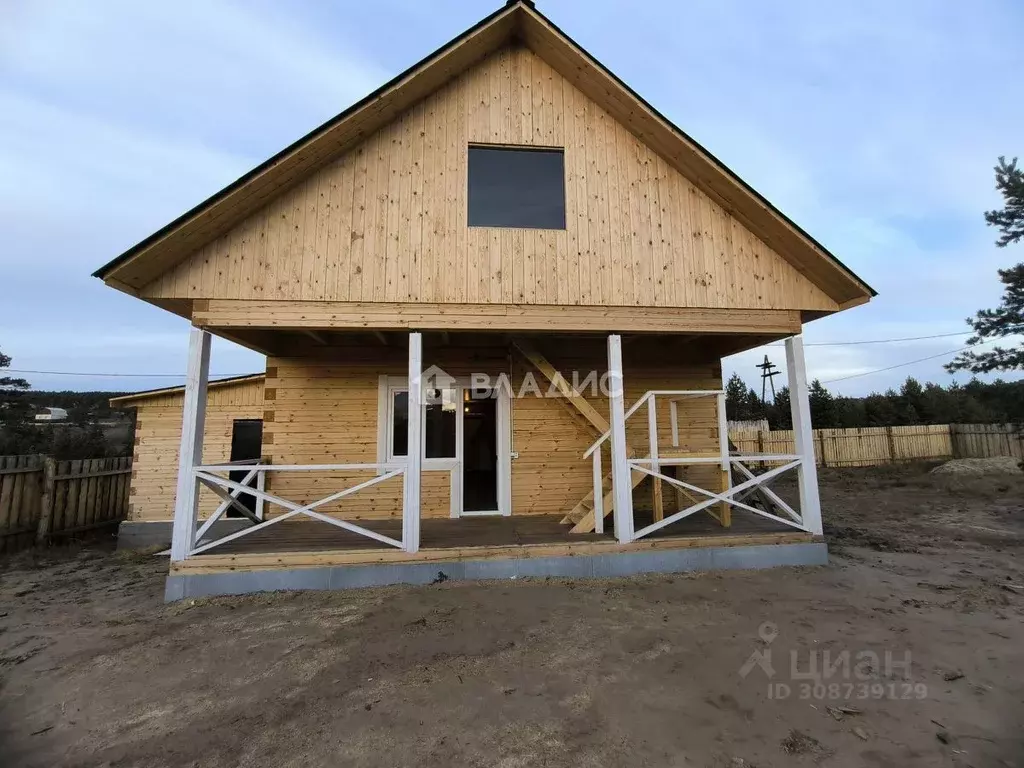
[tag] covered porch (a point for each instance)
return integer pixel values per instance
(649, 488)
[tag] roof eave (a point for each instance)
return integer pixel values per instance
(129, 400)
(846, 285)
(721, 166)
(105, 272)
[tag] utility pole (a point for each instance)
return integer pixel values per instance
(768, 373)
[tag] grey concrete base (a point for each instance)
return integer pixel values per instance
(138, 534)
(577, 566)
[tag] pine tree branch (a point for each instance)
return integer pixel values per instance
(1009, 220)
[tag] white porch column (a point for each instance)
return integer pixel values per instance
(800, 405)
(723, 441)
(414, 450)
(622, 487)
(190, 454)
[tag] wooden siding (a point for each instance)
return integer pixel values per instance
(386, 222)
(158, 438)
(325, 411)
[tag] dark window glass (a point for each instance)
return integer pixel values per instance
(516, 188)
(246, 444)
(400, 422)
(438, 424)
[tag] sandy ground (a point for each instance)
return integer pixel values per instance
(97, 671)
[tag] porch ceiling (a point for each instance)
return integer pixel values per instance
(342, 343)
(335, 315)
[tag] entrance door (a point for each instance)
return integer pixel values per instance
(246, 444)
(480, 471)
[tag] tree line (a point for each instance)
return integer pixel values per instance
(93, 429)
(976, 402)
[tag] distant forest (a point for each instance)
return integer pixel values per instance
(93, 429)
(1001, 402)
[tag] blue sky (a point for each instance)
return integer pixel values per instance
(875, 125)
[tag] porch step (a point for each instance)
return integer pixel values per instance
(583, 513)
(586, 504)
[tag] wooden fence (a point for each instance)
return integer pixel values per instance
(42, 499)
(870, 446)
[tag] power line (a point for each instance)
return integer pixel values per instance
(886, 341)
(808, 344)
(1015, 329)
(909, 362)
(228, 375)
(879, 341)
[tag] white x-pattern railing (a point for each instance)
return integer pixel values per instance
(729, 496)
(214, 477)
(732, 495)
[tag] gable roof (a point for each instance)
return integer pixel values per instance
(517, 21)
(131, 400)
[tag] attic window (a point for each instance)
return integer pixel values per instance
(516, 187)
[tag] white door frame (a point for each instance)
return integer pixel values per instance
(389, 384)
(503, 446)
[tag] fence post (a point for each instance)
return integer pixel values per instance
(892, 445)
(46, 500)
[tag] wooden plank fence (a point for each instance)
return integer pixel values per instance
(42, 499)
(871, 446)
(984, 440)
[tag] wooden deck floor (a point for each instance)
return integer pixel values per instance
(473, 533)
(435, 533)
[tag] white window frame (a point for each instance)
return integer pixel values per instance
(386, 389)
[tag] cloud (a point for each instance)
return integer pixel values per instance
(874, 125)
(85, 166)
(114, 121)
(226, 70)
(147, 108)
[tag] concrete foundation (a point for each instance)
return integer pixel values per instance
(181, 586)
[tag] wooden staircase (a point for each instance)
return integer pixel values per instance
(581, 517)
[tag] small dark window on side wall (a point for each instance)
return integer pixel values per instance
(516, 188)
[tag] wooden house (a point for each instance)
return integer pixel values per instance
(232, 432)
(511, 240)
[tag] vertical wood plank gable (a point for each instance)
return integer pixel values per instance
(387, 221)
